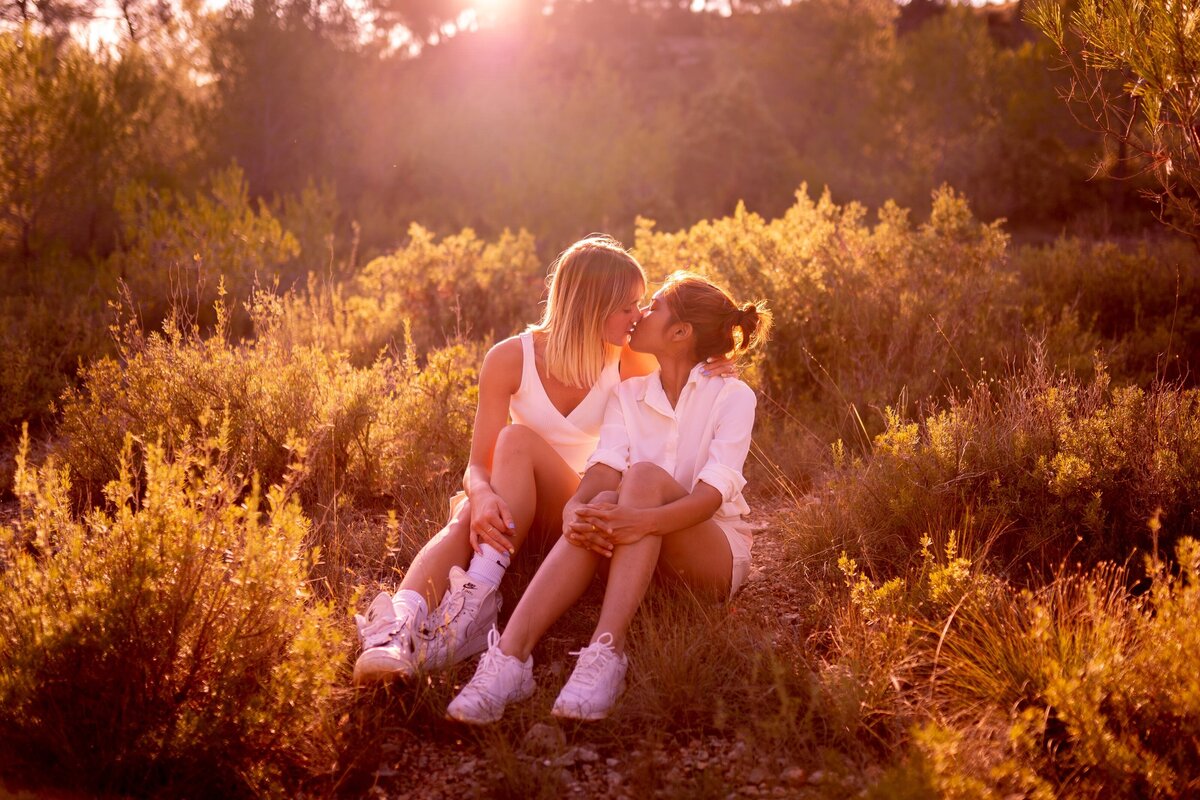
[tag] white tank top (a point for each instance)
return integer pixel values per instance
(574, 436)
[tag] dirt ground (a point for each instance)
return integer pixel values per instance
(556, 760)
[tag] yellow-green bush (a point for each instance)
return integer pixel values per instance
(1048, 465)
(177, 252)
(168, 645)
(1139, 301)
(458, 288)
(862, 312)
(347, 440)
(42, 340)
(361, 432)
(1078, 689)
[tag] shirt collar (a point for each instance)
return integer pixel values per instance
(654, 396)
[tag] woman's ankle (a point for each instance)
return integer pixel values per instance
(617, 642)
(511, 646)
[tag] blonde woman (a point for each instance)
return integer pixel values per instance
(663, 493)
(542, 397)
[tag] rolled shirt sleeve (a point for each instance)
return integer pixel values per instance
(730, 444)
(613, 448)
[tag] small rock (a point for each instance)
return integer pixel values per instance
(544, 739)
(750, 790)
(385, 771)
(558, 668)
(613, 777)
(587, 755)
(794, 776)
(816, 777)
(779, 791)
(758, 775)
(612, 762)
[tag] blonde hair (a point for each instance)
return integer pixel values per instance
(588, 281)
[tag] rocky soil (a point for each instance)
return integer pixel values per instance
(554, 760)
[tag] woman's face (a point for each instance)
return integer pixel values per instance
(651, 332)
(619, 323)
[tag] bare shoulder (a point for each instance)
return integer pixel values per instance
(502, 365)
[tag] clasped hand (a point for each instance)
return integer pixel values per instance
(600, 527)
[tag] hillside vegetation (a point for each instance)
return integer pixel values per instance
(985, 490)
(251, 258)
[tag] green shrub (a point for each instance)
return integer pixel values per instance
(1078, 689)
(1140, 302)
(43, 339)
(862, 313)
(176, 253)
(1049, 464)
(459, 288)
(169, 645)
(347, 440)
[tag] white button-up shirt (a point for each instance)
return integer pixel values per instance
(705, 437)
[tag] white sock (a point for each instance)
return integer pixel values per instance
(489, 565)
(409, 604)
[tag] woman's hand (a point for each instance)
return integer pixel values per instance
(491, 523)
(721, 367)
(616, 524)
(583, 534)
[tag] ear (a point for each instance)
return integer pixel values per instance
(681, 331)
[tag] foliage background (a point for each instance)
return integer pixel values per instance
(251, 258)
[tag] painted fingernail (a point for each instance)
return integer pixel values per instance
(512, 525)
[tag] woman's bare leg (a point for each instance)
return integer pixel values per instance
(560, 581)
(429, 572)
(532, 479)
(698, 555)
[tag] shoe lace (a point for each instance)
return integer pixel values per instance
(489, 663)
(593, 659)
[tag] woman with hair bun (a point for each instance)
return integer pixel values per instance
(662, 494)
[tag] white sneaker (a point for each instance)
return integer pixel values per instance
(459, 627)
(387, 642)
(595, 684)
(499, 680)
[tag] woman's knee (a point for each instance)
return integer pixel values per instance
(648, 482)
(514, 441)
(647, 472)
(609, 496)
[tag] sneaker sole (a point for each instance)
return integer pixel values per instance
(592, 716)
(375, 667)
(521, 696)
